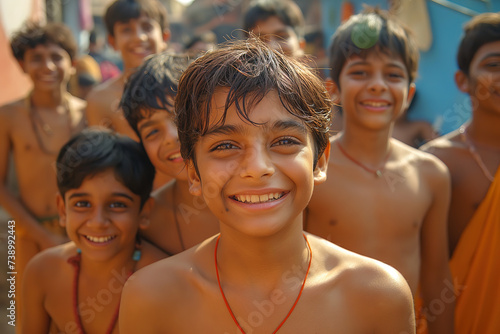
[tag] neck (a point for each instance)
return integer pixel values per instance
(372, 149)
(263, 261)
(483, 129)
(119, 266)
(47, 99)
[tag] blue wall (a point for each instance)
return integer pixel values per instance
(439, 101)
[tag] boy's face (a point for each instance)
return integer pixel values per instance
(279, 36)
(255, 178)
(374, 90)
(159, 137)
(483, 81)
(48, 65)
(102, 216)
(137, 39)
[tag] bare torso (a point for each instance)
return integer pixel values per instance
(469, 184)
(379, 217)
(334, 299)
(35, 150)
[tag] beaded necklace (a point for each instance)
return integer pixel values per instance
(294, 304)
(75, 261)
(475, 154)
(377, 172)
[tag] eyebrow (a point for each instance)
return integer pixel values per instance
(146, 124)
(492, 54)
(280, 125)
(76, 195)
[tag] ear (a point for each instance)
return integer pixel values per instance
(111, 41)
(146, 213)
(333, 90)
(411, 94)
(166, 35)
(194, 180)
(321, 166)
(61, 210)
(462, 81)
(302, 44)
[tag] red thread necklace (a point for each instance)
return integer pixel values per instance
(377, 172)
(75, 261)
(294, 304)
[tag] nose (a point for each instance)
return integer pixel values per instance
(49, 64)
(377, 84)
(257, 163)
(141, 34)
(170, 137)
(99, 217)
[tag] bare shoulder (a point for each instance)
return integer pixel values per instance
(363, 281)
(103, 89)
(445, 147)
(105, 97)
(174, 277)
(54, 258)
(77, 103)
(10, 111)
(427, 164)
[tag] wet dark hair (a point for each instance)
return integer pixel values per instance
(250, 70)
(150, 87)
(287, 11)
(32, 34)
(373, 30)
(125, 10)
(95, 150)
(482, 29)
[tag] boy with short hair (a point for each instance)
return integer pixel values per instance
(32, 130)
(253, 127)
(104, 181)
(472, 154)
(137, 29)
(279, 23)
(384, 199)
(179, 220)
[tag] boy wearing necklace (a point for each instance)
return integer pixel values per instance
(472, 153)
(136, 29)
(104, 182)
(384, 199)
(179, 220)
(253, 127)
(32, 130)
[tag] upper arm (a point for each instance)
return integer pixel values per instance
(94, 110)
(139, 312)
(386, 301)
(33, 295)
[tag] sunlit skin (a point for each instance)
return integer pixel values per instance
(173, 202)
(470, 185)
(400, 216)
(102, 217)
(135, 40)
(48, 106)
(257, 179)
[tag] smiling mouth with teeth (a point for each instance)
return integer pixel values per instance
(100, 239)
(256, 199)
(175, 156)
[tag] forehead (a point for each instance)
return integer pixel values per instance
(267, 111)
(103, 182)
(151, 116)
(385, 58)
(47, 48)
(141, 19)
(271, 25)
